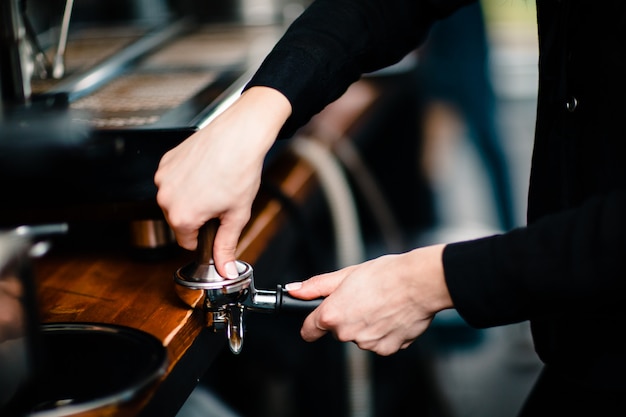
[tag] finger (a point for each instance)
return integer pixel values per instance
(160, 172)
(187, 240)
(406, 345)
(186, 235)
(311, 330)
(318, 286)
(225, 248)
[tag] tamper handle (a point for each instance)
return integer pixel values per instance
(287, 303)
(206, 238)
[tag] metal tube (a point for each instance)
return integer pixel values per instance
(58, 65)
(15, 69)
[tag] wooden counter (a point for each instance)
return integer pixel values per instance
(107, 285)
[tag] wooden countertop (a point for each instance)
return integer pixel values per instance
(109, 286)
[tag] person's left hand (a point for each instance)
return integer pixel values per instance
(382, 305)
(216, 173)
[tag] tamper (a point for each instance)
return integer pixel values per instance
(225, 300)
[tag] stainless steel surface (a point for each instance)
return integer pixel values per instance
(41, 230)
(136, 99)
(221, 295)
(220, 298)
(91, 365)
(203, 271)
(151, 234)
(20, 346)
(235, 328)
(58, 63)
(80, 84)
(172, 75)
(40, 60)
(16, 58)
(225, 301)
(87, 48)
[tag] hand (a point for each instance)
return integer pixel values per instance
(382, 305)
(11, 308)
(216, 173)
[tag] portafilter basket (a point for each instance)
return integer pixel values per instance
(225, 300)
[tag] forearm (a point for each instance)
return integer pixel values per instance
(571, 261)
(335, 41)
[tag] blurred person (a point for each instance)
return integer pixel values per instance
(564, 271)
(455, 89)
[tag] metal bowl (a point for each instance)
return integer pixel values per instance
(91, 365)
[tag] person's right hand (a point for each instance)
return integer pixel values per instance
(216, 173)
(382, 305)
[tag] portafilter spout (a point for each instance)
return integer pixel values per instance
(225, 300)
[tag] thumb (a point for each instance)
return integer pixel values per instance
(224, 249)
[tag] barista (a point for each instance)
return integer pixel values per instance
(565, 271)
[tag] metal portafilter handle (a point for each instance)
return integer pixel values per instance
(226, 300)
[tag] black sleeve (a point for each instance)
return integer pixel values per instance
(334, 42)
(571, 262)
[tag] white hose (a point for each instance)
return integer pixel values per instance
(365, 182)
(370, 189)
(350, 251)
(337, 191)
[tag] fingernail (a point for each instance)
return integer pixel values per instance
(292, 286)
(231, 270)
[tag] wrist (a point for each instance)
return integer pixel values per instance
(430, 277)
(272, 107)
(257, 115)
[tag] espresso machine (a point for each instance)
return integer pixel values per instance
(93, 94)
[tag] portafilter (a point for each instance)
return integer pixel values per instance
(225, 300)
